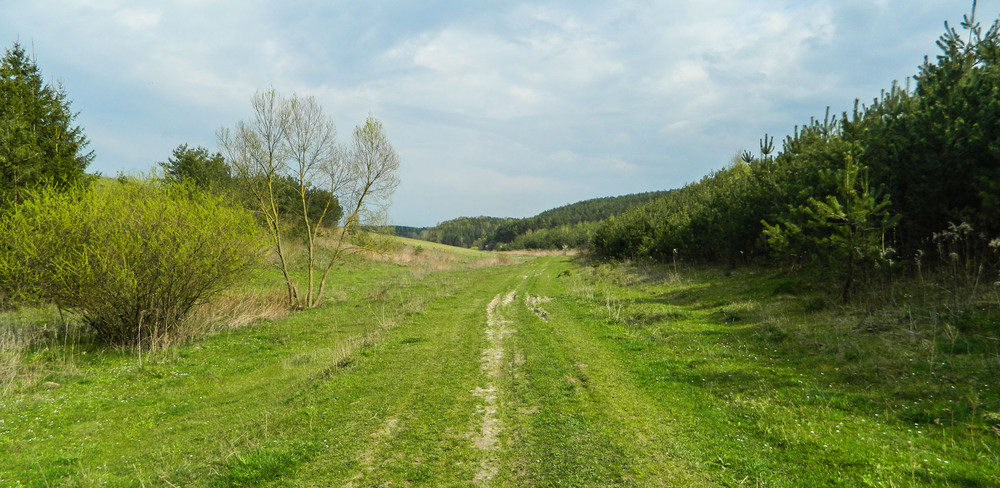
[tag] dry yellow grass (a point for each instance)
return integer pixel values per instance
(229, 311)
(421, 256)
(43, 330)
(426, 257)
(537, 253)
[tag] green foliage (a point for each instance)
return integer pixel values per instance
(565, 236)
(318, 200)
(593, 210)
(38, 141)
(568, 226)
(939, 151)
(132, 257)
(210, 172)
(631, 234)
(843, 230)
(463, 231)
(712, 219)
(408, 232)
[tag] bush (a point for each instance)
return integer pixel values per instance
(131, 257)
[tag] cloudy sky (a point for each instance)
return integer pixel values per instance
(496, 108)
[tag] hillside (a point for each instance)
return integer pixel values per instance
(463, 231)
(570, 225)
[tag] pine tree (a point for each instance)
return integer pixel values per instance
(947, 166)
(38, 141)
(198, 165)
(844, 230)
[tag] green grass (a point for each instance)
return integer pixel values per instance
(609, 376)
(766, 393)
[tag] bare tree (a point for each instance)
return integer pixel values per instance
(256, 151)
(365, 179)
(292, 138)
(312, 145)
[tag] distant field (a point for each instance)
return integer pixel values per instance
(423, 256)
(444, 250)
(438, 366)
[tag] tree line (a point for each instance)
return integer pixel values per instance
(881, 185)
(568, 226)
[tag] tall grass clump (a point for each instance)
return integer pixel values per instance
(131, 257)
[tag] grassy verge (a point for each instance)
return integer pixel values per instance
(577, 416)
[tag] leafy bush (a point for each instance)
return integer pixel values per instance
(131, 257)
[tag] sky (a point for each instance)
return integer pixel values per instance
(495, 108)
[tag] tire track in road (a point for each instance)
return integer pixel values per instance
(493, 368)
(534, 303)
(368, 457)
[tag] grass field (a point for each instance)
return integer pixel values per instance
(437, 367)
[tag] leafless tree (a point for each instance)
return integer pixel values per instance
(365, 179)
(312, 145)
(256, 151)
(291, 137)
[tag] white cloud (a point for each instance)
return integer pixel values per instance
(688, 72)
(677, 126)
(138, 18)
(518, 70)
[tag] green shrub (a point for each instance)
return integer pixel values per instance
(131, 257)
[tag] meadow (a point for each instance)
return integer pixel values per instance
(438, 366)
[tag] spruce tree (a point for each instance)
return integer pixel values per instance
(38, 141)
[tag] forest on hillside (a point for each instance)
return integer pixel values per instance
(568, 226)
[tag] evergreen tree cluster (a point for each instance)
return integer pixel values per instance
(852, 191)
(463, 231)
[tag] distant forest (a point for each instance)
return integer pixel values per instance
(569, 226)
